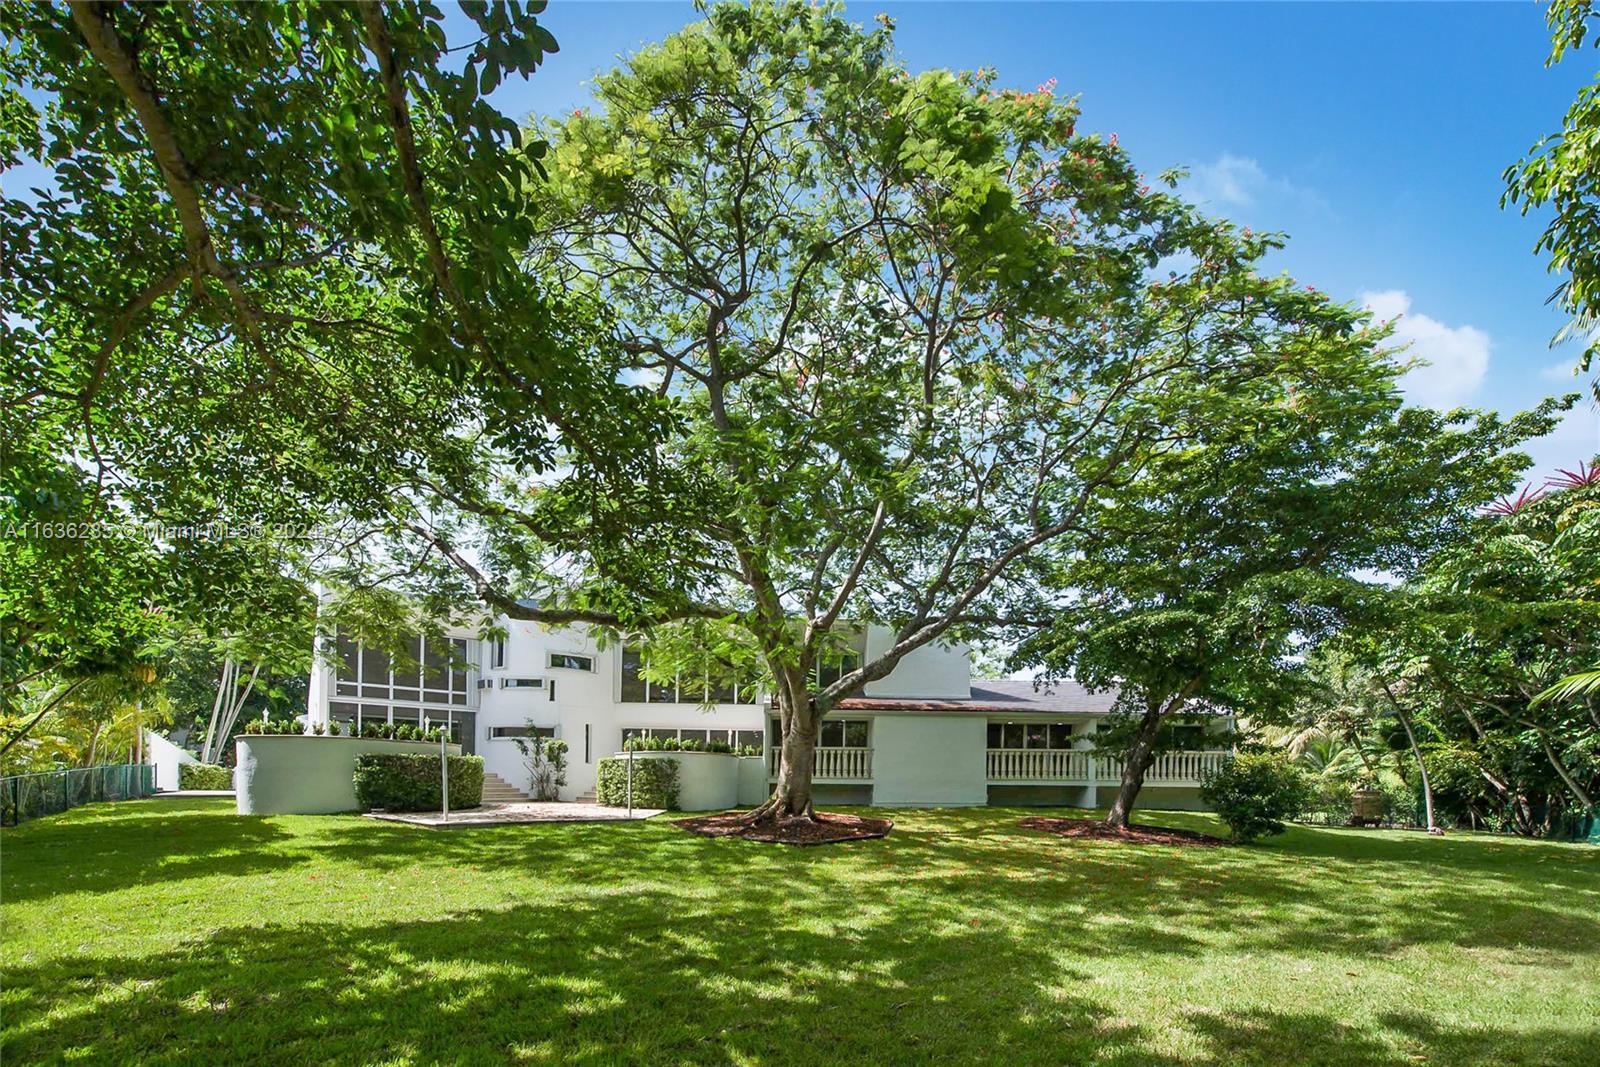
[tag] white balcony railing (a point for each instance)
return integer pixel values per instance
(1024, 765)
(1039, 765)
(833, 764)
(1173, 767)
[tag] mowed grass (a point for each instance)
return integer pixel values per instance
(173, 931)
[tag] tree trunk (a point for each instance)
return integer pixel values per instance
(1422, 768)
(1135, 762)
(1561, 769)
(791, 796)
(796, 757)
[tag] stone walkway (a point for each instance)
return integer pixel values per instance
(501, 814)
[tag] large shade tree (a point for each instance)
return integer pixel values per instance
(271, 277)
(914, 333)
(1204, 581)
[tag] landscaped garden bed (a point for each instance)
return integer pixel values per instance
(828, 828)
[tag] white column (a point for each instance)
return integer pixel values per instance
(317, 689)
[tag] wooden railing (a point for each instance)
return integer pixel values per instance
(1039, 765)
(833, 764)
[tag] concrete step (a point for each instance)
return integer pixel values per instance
(496, 790)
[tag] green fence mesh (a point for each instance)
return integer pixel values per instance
(28, 796)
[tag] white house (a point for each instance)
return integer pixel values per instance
(927, 734)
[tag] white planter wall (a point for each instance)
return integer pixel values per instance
(307, 775)
(707, 781)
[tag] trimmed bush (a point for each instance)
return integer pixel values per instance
(655, 783)
(204, 776)
(409, 781)
(1255, 791)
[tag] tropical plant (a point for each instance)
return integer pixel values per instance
(1561, 173)
(546, 760)
(1255, 792)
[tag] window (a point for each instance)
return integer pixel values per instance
(662, 694)
(522, 683)
(731, 737)
(407, 676)
(588, 735)
(427, 671)
(1030, 735)
(832, 670)
(497, 733)
(497, 654)
(550, 687)
(1189, 738)
(634, 688)
(843, 733)
(569, 661)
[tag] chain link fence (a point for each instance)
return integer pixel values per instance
(29, 796)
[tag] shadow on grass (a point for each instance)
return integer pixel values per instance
(616, 981)
(108, 847)
(960, 938)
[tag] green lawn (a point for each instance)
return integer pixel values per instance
(175, 931)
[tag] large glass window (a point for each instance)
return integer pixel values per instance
(634, 688)
(1030, 735)
(831, 670)
(348, 669)
(843, 733)
(431, 671)
(1189, 738)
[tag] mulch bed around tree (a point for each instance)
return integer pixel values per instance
(828, 829)
(1134, 835)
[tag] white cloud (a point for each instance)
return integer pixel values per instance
(1564, 371)
(1232, 181)
(1457, 357)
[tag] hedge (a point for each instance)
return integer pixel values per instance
(204, 776)
(655, 783)
(409, 781)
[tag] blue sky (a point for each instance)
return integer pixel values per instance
(1374, 135)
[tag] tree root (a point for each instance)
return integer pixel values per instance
(772, 811)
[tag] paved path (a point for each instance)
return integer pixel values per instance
(533, 811)
(181, 793)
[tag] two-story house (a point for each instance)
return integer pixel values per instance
(927, 734)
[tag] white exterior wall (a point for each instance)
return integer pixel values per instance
(582, 699)
(929, 761)
(932, 672)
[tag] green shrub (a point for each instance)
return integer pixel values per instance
(409, 781)
(204, 776)
(1255, 791)
(1328, 802)
(655, 782)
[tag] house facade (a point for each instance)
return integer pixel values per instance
(928, 734)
